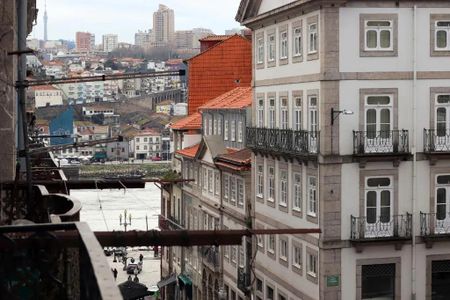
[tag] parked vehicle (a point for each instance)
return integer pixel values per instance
(156, 158)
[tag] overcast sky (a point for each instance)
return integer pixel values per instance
(125, 17)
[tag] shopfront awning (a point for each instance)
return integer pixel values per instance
(186, 280)
(169, 280)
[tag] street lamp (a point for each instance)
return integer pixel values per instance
(125, 223)
(336, 113)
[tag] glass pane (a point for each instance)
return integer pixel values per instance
(441, 39)
(443, 24)
(371, 215)
(371, 116)
(441, 114)
(385, 198)
(378, 282)
(385, 116)
(440, 129)
(443, 179)
(375, 182)
(385, 214)
(371, 199)
(378, 100)
(385, 38)
(378, 23)
(443, 99)
(441, 212)
(441, 196)
(371, 39)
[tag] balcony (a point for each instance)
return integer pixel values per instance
(41, 261)
(285, 142)
(436, 142)
(381, 145)
(169, 223)
(434, 227)
(211, 257)
(395, 229)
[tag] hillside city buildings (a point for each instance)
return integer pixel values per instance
(163, 25)
(85, 41)
(110, 42)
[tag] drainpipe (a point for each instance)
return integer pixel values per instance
(413, 149)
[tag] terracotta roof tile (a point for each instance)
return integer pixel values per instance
(237, 98)
(243, 156)
(193, 121)
(216, 37)
(189, 151)
(43, 88)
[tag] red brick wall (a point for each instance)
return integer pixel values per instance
(215, 71)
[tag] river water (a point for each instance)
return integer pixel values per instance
(101, 208)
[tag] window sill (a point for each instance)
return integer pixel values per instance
(283, 204)
(312, 274)
(312, 215)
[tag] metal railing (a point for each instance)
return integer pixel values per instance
(397, 226)
(379, 142)
(211, 256)
(436, 140)
(288, 141)
(36, 263)
(434, 224)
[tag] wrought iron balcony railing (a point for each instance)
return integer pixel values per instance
(286, 141)
(380, 142)
(211, 256)
(434, 224)
(393, 227)
(169, 223)
(40, 262)
(436, 140)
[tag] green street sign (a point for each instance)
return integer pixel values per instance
(332, 280)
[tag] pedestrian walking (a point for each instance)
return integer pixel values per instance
(141, 257)
(115, 273)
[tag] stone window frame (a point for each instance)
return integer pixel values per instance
(294, 170)
(260, 247)
(260, 96)
(428, 279)
(295, 268)
(309, 95)
(260, 64)
(271, 96)
(309, 276)
(434, 92)
(282, 294)
(435, 171)
(379, 261)
(259, 292)
(259, 161)
(309, 21)
(282, 167)
(272, 253)
(271, 63)
(433, 19)
(363, 18)
(363, 93)
(363, 174)
(283, 60)
(309, 217)
(281, 96)
(242, 183)
(272, 286)
(294, 95)
(294, 26)
(283, 261)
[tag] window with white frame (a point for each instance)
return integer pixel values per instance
(272, 118)
(233, 131)
(271, 47)
(260, 51)
(226, 252)
(240, 132)
(225, 130)
(260, 181)
(219, 126)
(226, 183)
(271, 184)
(215, 126)
(297, 113)
(284, 115)
(210, 181)
(240, 190)
(442, 119)
(241, 256)
(233, 253)
(313, 119)
(217, 184)
(271, 243)
(297, 190)
(442, 36)
(283, 249)
(312, 41)
(297, 41)
(312, 196)
(205, 179)
(260, 240)
(283, 45)
(233, 189)
(297, 256)
(284, 188)
(379, 192)
(312, 265)
(378, 35)
(260, 113)
(210, 127)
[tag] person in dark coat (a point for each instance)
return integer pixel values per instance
(115, 273)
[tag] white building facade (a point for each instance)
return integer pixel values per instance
(110, 42)
(147, 145)
(350, 135)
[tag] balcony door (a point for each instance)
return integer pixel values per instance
(442, 123)
(378, 207)
(378, 124)
(442, 204)
(313, 124)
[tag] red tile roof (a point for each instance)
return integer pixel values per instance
(189, 151)
(238, 160)
(237, 98)
(214, 37)
(43, 88)
(193, 121)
